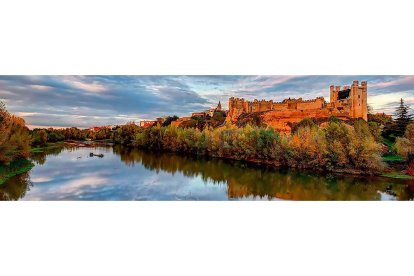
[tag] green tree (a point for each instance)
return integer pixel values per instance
(403, 118)
(375, 130)
(43, 137)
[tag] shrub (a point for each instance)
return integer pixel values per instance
(405, 145)
(410, 169)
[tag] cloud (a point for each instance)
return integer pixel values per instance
(400, 84)
(40, 87)
(82, 83)
(41, 179)
(95, 100)
(86, 101)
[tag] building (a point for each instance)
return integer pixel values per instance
(209, 112)
(346, 102)
(199, 114)
(161, 120)
(147, 123)
(95, 129)
(98, 128)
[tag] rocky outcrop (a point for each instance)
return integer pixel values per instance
(284, 120)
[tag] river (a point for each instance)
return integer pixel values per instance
(70, 173)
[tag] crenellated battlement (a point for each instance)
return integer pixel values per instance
(317, 99)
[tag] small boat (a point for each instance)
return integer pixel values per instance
(98, 155)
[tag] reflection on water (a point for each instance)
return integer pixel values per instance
(131, 174)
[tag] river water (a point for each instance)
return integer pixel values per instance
(70, 173)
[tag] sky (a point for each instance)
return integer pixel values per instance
(86, 101)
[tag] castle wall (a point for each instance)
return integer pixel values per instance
(348, 101)
(258, 106)
(280, 106)
(318, 103)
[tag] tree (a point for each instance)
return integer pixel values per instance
(405, 145)
(43, 137)
(169, 119)
(14, 137)
(403, 118)
(375, 130)
(307, 122)
(380, 118)
(39, 137)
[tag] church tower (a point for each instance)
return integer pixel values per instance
(218, 108)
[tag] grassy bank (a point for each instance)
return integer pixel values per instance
(48, 146)
(392, 158)
(395, 162)
(16, 167)
(22, 165)
(397, 175)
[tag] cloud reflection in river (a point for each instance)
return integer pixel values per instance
(131, 174)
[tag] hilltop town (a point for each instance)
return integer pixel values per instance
(346, 103)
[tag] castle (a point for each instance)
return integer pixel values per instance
(347, 102)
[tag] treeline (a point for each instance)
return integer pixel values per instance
(336, 147)
(41, 136)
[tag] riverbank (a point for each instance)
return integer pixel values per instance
(397, 175)
(22, 165)
(90, 143)
(275, 164)
(16, 167)
(48, 146)
(396, 167)
(390, 172)
(127, 173)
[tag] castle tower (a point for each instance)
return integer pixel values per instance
(333, 95)
(359, 97)
(353, 99)
(236, 107)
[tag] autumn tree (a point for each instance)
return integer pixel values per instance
(39, 137)
(14, 137)
(405, 145)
